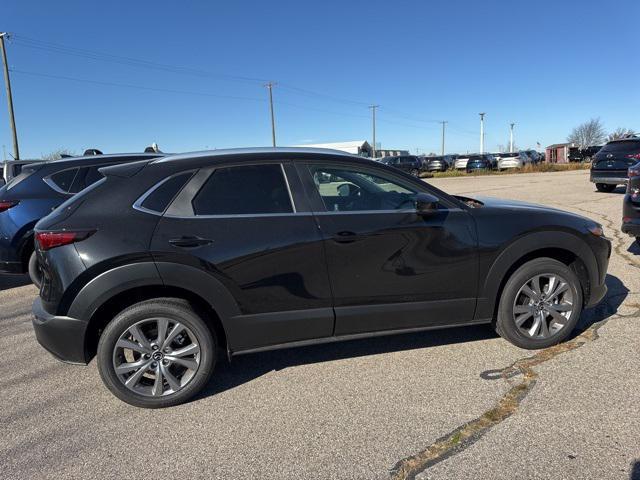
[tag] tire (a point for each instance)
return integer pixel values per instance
(605, 187)
(415, 172)
(144, 390)
(513, 299)
(34, 270)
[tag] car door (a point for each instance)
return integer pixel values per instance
(249, 226)
(389, 267)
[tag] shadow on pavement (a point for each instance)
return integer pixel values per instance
(243, 368)
(634, 248)
(635, 471)
(13, 281)
(616, 294)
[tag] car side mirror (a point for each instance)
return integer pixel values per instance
(426, 203)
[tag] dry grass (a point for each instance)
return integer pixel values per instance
(529, 168)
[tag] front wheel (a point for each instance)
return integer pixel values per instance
(540, 304)
(157, 353)
(605, 187)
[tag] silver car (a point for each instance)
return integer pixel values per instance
(512, 160)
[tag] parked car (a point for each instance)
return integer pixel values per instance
(165, 263)
(610, 165)
(513, 160)
(534, 156)
(631, 204)
(12, 168)
(583, 154)
(461, 162)
(34, 193)
(439, 163)
(407, 163)
(484, 161)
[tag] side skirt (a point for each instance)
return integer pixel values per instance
(353, 336)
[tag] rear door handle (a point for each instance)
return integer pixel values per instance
(190, 242)
(347, 237)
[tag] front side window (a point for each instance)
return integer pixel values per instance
(352, 190)
(244, 190)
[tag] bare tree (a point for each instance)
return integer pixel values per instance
(57, 154)
(619, 133)
(588, 134)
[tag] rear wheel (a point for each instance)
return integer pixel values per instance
(605, 187)
(540, 304)
(157, 353)
(35, 273)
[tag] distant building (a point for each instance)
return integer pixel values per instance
(384, 152)
(356, 147)
(558, 153)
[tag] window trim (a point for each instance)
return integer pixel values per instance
(137, 205)
(201, 178)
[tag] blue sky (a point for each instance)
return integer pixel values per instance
(545, 65)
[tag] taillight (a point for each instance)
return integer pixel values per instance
(49, 240)
(7, 204)
(635, 156)
(634, 172)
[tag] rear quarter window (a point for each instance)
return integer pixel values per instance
(164, 192)
(62, 181)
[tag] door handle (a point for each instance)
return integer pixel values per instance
(347, 237)
(190, 242)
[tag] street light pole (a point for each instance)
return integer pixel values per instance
(511, 137)
(444, 123)
(373, 121)
(270, 86)
(482, 114)
(7, 81)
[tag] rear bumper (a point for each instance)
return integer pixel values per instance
(632, 228)
(63, 337)
(609, 178)
(12, 267)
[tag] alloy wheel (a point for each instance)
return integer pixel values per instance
(156, 357)
(543, 306)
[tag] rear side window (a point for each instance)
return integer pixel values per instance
(624, 146)
(63, 180)
(162, 195)
(86, 176)
(244, 190)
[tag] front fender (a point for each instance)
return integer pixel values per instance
(489, 289)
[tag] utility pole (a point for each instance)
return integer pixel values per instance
(270, 86)
(511, 137)
(444, 122)
(7, 81)
(482, 114)
(373, 119)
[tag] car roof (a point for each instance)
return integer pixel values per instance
(106, 158)
(212, 157)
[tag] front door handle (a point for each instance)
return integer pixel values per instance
(190, 242)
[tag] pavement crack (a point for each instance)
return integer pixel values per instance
(467, 434)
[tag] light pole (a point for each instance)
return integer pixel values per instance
(373, 121)
(482, 114)
(7, 81)
(444, 123)
(511, 137)
(273, 121)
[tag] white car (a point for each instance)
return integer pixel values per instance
(512, 160)
(461, 162)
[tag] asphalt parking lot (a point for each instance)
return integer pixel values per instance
(458, 403)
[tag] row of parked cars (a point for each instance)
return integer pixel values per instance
(161, 265)
(415, 164)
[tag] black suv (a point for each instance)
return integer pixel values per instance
(164, 264)
(34, 193)
(611, 163)
(407, 163)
